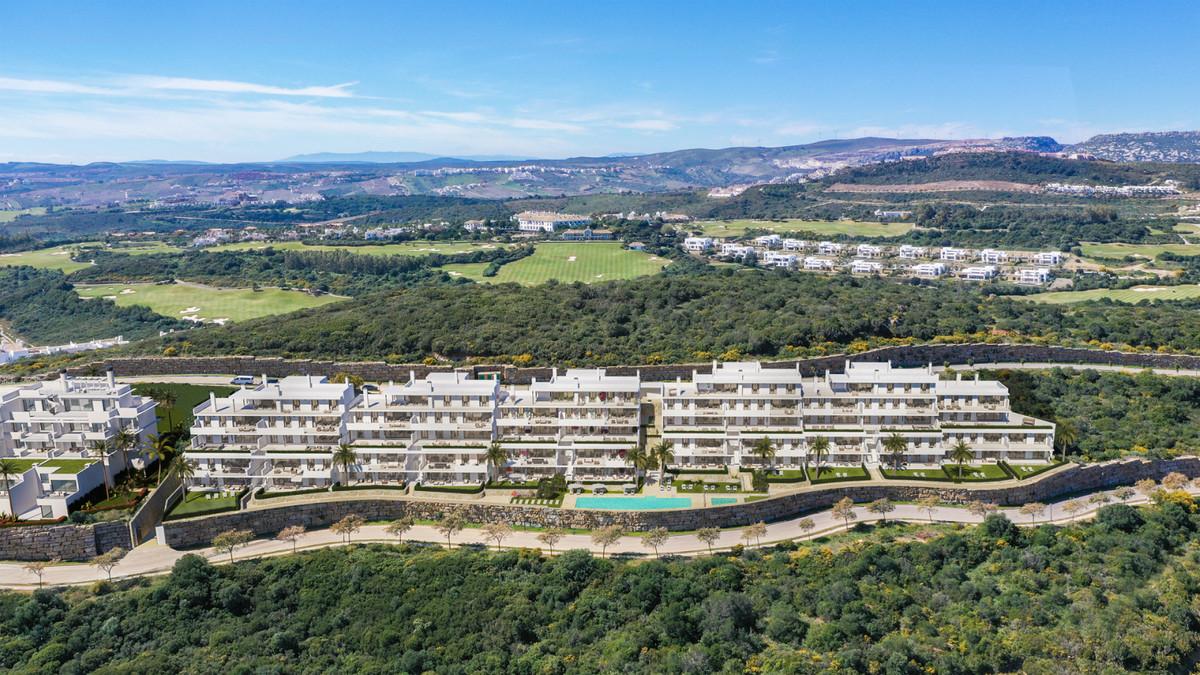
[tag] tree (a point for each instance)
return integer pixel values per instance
(397, 528)
(291, 533)
(38, 567)
(607, 536)
(819, 449)
(231, 540)
(929, 503)
(1123, 493)
(495, 458)
(1065, 436)
(348, 526)
(655, 538)
(1174, 481)
(107, 561)
(100, 450)
(345, 456)
(125, 440)
(1099, 498)
(844, 509)
(1146, 486)
(661, 456)
(183, 470)
(896, 446)
(497, 532)
(355, 381)
(806, 525)
(638, 458)
(765, 451)
(756, 532)
(166, 399)
(159, 449)
(881, 507)
(708, 535)
(551, 536)
(451, 524)
(981, 509)
(1033, 510)
(8, 468)
(1073, 507)
(960, 453)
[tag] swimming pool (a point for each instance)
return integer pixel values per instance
(721, 501)
(643, 503)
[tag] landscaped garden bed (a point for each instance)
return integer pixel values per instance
(709, 487)
(1023, 471)
(948, 473)
(836, 474)
(454, 489)
(204, 504)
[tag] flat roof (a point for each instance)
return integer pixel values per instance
(588, 379)
(733, 372)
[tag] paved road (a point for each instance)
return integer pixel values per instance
(152, 558)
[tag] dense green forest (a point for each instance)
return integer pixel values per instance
(1114, 595)
(43, 307)
(685, 314)
(967, 225)
(1114, 414)
(1018, 167)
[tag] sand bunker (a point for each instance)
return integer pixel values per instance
(571, 259)
(128, 291)
(1147, 289)
(189, 310)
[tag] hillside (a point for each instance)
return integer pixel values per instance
(1163, 146)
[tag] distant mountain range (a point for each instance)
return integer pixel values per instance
(375, 157)
(1159, 146)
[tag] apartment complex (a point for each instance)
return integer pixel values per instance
(52, 430)
(546, 221)
(715, 419)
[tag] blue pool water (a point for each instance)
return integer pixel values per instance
(633, 503)
(718, 501)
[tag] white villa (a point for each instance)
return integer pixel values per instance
(910, 252)
(866, 267)
(951, 254)
(698, 244)
(991, 256)
(794, 244)
(813, 263)
(1048, 258)
(546, 221)
(981, 273)
(49, 429)
(769, 240)
(829, 248)
(777, 259)
(930, 270)
(869, 251)
(1033, 276)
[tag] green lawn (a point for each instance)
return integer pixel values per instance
(1149, 251)
(568, 262)
(1130, 295)
(833, 474)
(697, 487)
(9, 215)
(977, 472)
(22, 465)
(206, 302)
(410, 248)
(57, 258)
(187, 397)
(67, 465)
(737, 228)
(197, 503)
(1026, 470)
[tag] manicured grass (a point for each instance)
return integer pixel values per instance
(1130, 295)
(833, 474)
(1119, 250)
(9, 215)
(1024, 471)
(737, 228)
(57, 258)
(207, 302)
(698, 487)
(22, 465)
(67, 465)
(569, 262)
(914, 474)
(187, 397)
(197, 503)
(534, 501)
(409, 248)
(977, 472)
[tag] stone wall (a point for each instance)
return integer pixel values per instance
(68, 542)
(378, 371)
(269, 521)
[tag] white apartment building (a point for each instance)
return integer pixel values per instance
(866, 267)
(546, 221)
(813, 263)
(910, 252)
(1035, 276)
(278, 435)
(769, 241)
(829, 248)
(951, 254)
(1048, 258)
(776, 259)
(698, 244)
(869, 251)
(732, 249)
(49, 430)
(991, 256)
(981, 273)
(581, 423)
(794, 244)
(929, 270)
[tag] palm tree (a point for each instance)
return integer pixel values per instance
(9, 467)
(819, 449)
(183, 470)
(495, 457)
(345, 456)
(896, 446)
(100, 449)
(166, 399)
(159, 450)
(960, 453)
(661, 456)
(764, 450)
(1065, 435)
(124, 440)
(638, 458)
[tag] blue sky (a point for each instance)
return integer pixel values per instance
(250, 80)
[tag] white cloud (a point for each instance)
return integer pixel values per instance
(48, 86)
(154, 82)
(649, 125)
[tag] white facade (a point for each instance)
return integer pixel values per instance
(951, 254)
(1048, 258)
(769, 240)
(929, 270)
(545, 221)
(982, 273)
(697, 244)
(1034, 276)
(794, 244)
(776, 259)
(866, 267)
(812, 263)
(909, 252)
(51, 427)
(993, 257)
(869, 251)
(829, 248)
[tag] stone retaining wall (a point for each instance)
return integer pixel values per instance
(269, 521)
(68, 542)
(378, 371)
